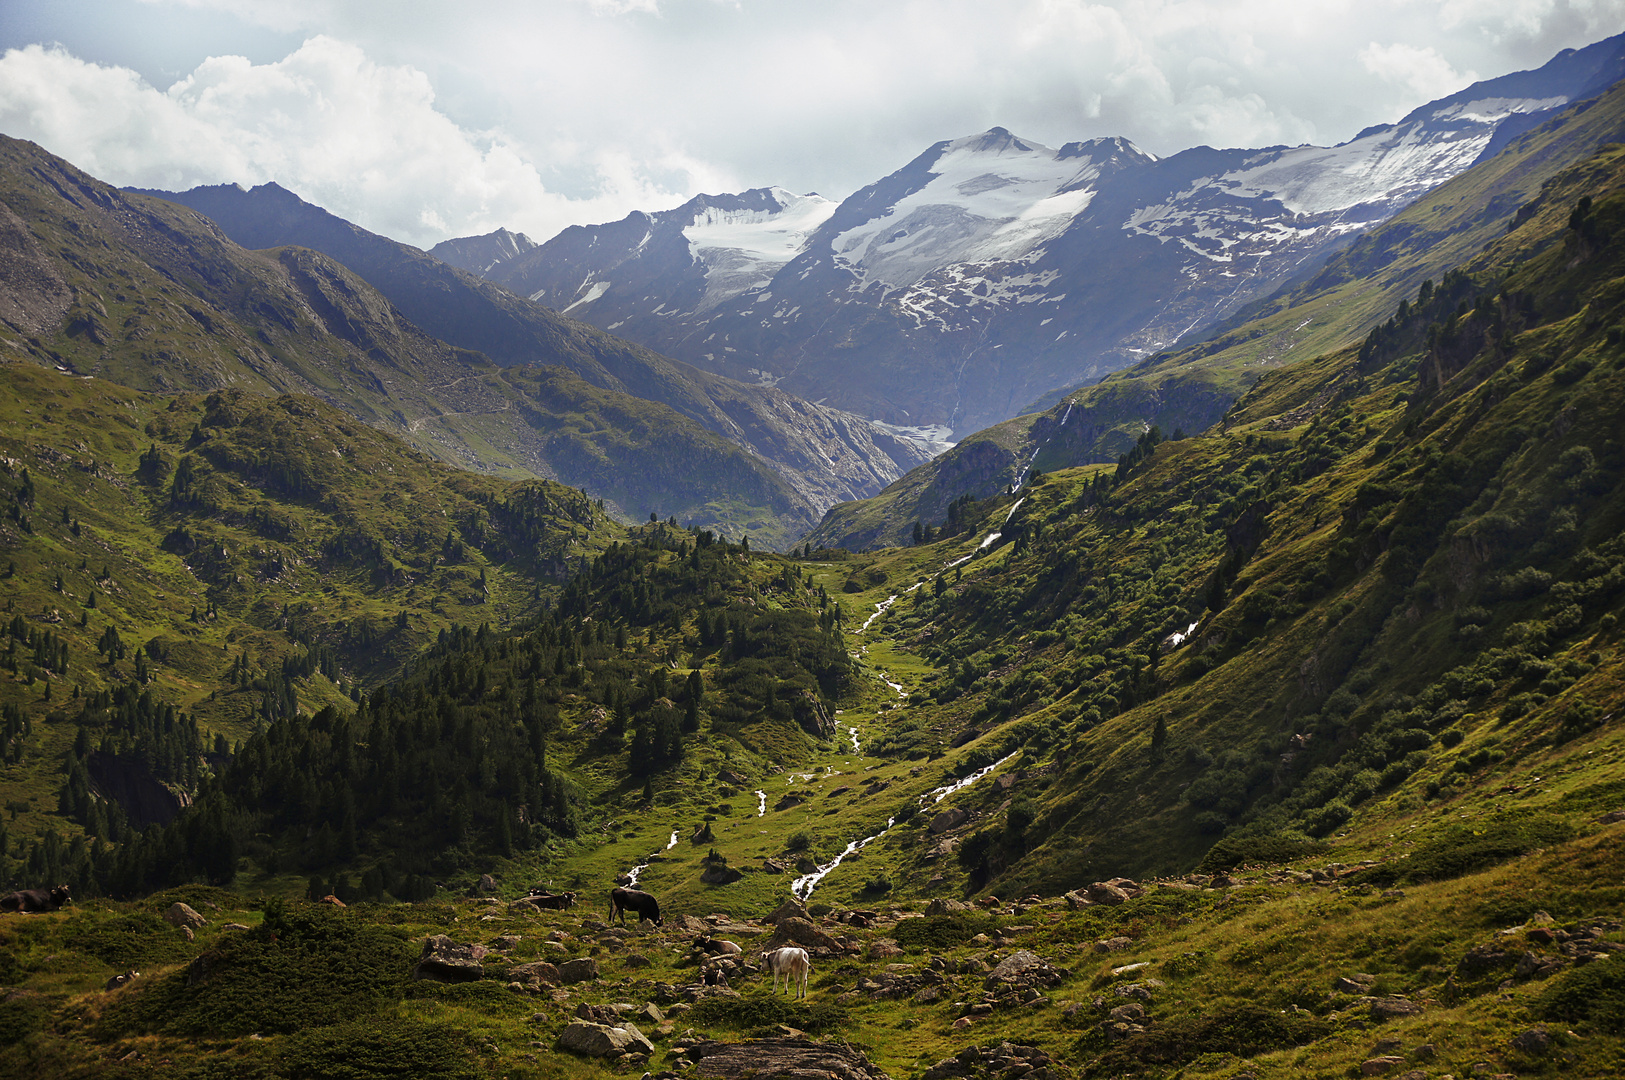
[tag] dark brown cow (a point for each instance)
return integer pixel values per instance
(33, 900)
(623, 900)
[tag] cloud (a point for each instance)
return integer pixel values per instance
(1423, 73)
(364, 140)
(534, 113)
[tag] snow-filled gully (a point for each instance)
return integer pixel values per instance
(803, 886)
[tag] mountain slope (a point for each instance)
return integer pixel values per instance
(152, 295)
(822, 454)
(1191, 388)
(991, 269)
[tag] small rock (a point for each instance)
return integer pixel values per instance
(1354, 984)
(444, 960)
(1389, 1008)
(1379, 1066)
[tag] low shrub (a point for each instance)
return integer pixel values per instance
(1243, 1030)
(1593, 995)
(1232, 851)
(1463, 849)
(942, 931)
(750, 1013)
(380, 1047)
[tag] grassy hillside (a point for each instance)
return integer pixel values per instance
(1190, 388)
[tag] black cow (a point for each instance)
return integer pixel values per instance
(30, 900)
(623, 900)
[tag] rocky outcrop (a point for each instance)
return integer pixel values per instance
(782, 1059)
(796, 931)
(444, 960)
(603, 1041)
(1000, 1061)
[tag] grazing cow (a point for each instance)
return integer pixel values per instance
(713, 946)
(792, 964)
(623, 900)
(33, 900)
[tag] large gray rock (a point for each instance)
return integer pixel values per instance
(782, 1059)
(794, 931)
(184, 917)
(444, 960)
(951, 818)
(539, 972)
(602, 1040)
(720, 875)
(790, 909)
(1023, 968)
(581, 969)
(1104, 892)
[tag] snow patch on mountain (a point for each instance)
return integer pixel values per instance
(991, 197)
(742, 249)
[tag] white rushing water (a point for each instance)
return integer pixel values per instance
(856, 749)
(761, 803)
(803, 886)
(673, 841)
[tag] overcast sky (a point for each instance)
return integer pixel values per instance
(423, 119)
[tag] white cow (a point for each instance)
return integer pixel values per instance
(792, 964)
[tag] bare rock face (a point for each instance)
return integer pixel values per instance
(783, 1059)
(184, 917)
(604, 1041)
(444, 960)
(947, 907)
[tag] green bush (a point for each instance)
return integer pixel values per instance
(1232, 851)
(942, 931)
(1463, 849)
(1593, 995)
(303, 967)
(376, 1048)
(750, 1013)
(1242, 1030)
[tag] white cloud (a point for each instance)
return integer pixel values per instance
(531, 113)
(1422, 72)
(363, 140)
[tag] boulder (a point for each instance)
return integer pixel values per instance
(1358, 985)
(1533, 1042)
(720, 875)
(795, 931)
(728, 776)
(1104, 892)
(1076, 901)
(782, 1059)
(184, 917)
(603, 1040)
(536, 973)
(951, 818)
(790, 909)
(1022, 968)
(1379, 1066)
(581, 969)
(444, 960)
(946, 906)
(487, 886)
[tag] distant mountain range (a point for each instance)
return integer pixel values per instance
(820, 455)
(991, 269)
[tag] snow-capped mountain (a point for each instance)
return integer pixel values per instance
(991, 268)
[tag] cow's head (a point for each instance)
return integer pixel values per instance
(60, 896)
